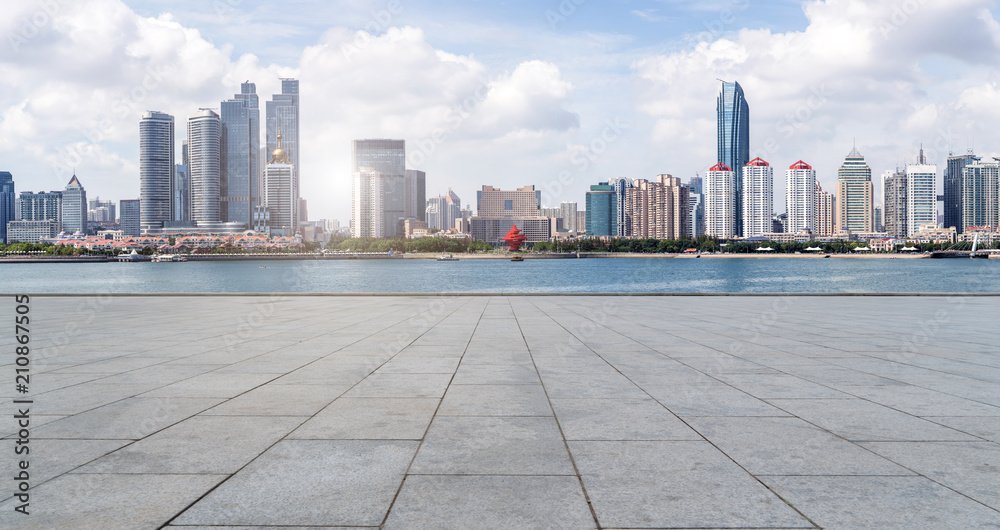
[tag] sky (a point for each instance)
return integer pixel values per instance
(561, 94)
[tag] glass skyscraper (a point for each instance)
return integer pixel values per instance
(734, 137)
(855, 195)
(602, 210)
(156, 169)
(204, 133)
(240, 186)
(7, 203)
(74, 205)
(953, 190)
(282, 115)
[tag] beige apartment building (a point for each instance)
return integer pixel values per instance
(659, 210)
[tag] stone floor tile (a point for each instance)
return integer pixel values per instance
(463, 502)
(492, 446)
(619, 419)
(402, 385)
(495, 400)
(370, 419)
(350, 483)
(129, 419)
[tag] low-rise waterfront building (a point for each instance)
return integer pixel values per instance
(32, 231)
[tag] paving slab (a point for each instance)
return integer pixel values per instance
(129, 419)
(619, 419)
(370, 419)
(675, 485)
(493, 446)
(462, 502)
(495, 400)
(350, 483)
(882, 502)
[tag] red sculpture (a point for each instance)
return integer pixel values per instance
(515, 238)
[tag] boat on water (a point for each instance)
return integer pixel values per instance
(517, 258)
(129, 257)
(447, 257)
(171, 258)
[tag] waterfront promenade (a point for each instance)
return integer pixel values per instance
(508, 411)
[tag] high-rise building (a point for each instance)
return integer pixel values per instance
(42, 206)
(696, 214)
(921, 194)
(981, 195)
(103, 211)
(734, 139)
(182, 192)
(659, 210)
(240, 163)
(441, 212)
(156, 168)
(581, 221)
(131, 215)
(758, 198)
(720, 201)
(855, 195)
(283, 117)
(800, 197)
(894, 203)
(497, 211)
(826, 208)
(953, 176)
(278, 215)
(623, 225)
(8, 201)
(416, 195)
(602, 210)
(204, 132)
(74, 207)
(379, 187)
(567, 212)
(879, 227)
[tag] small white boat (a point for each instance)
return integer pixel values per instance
(447, 257)
(167, 258)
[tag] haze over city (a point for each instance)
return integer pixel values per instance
(559, 95)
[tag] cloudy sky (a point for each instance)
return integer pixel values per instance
(557, 93)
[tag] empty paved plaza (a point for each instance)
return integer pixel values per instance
(508, 411)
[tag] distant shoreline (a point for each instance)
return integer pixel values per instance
(433, 256)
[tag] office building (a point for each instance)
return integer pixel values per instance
(981, 195)
(279, 215)
(182, 193)
(240, 163)
(101, 211)
(855, 195)
(659, 210)
(441, 212)
(156, 168)
(131, 217)
(953, 177)
(623, 224)
(8, 202)
(581, 221)
(879, 227)
(204, 133)
(734, 140)
(567, 212)
(696, 213)
(800, 197)
(74, 207)
(758, 198)
(720, 202)
(41, 206)
(921, 194)
(602, 211)
(282, 115)
(894, 204)
(416, 195)
(497, 211)
(826, 216)
(31, 230)
(379, 198)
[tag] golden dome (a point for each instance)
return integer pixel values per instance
(279, 155)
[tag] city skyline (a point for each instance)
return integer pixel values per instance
(640, 106)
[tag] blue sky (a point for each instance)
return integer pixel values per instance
(505, 93)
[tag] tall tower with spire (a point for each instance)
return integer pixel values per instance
(74, 207)
(855, 195)
(280, 200)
